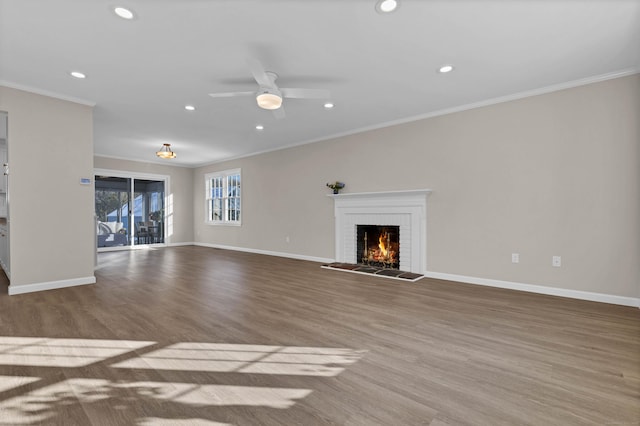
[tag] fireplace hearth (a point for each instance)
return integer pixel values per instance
(377, 271)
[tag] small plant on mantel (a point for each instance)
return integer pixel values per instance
(336, 186)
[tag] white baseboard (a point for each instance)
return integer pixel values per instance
(268, 252)
(190, 243)
(531, 288)
(49, 285)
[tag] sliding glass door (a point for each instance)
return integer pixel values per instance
(130, 211)
(148, 208)
(112, 211)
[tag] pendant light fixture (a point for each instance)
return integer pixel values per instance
(165, 152)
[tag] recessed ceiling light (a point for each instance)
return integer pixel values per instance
(386, 6)
(189, 107)
(445, 69)
(259, 127)
(329, 105)
(123, 13)
(77, 74)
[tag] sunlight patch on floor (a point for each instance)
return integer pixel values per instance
(10, 382)
(70, 389)
(256, 359)
(154, 421)
(48, 352)
(94, 396)
(37, 405)
(200, 395)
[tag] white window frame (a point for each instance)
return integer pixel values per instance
(224, 200)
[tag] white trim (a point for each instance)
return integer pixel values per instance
(446, 111)
(128, 174)
(374, 275)
(145, 246)
(540, 289)
(267, 252)
(224, 174)
(406, 209)
(223, 223)
(130, 247)
(137, 175)
(157, 162)
(383, 194)
(49, 285)
(530, 288)
(43, 92)
(188, 243)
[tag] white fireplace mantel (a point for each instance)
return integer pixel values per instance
(379, 195)
(406, 209)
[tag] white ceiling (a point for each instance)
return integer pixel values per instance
(380, 69)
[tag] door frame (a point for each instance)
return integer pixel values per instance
(168, 208)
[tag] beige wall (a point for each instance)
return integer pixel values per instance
(180, 194)
(51, 214)
(555, 174)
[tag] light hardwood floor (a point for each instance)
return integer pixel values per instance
(193, 335)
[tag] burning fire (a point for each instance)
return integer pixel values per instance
(384, 252)
(382, 244)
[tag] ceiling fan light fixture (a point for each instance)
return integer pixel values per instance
(165, 152)
(269, 100)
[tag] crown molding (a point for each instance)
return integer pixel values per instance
(48, 93)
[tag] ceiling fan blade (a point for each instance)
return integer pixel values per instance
(259, 73)
(305, 93)
(230, 94)
(279, 113)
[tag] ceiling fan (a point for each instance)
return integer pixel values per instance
(269, 96)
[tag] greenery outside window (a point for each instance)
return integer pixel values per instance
(222, 197)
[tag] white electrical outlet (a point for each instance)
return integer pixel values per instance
(515, 258)
(287, 239)
(556, 261)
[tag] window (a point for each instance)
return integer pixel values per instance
(223, 197)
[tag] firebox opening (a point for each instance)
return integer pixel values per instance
(378, 246)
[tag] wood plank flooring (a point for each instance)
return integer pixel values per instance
(200, 336)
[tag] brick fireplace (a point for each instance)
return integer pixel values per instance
(403, 210)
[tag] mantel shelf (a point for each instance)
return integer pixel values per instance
(381, 194)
